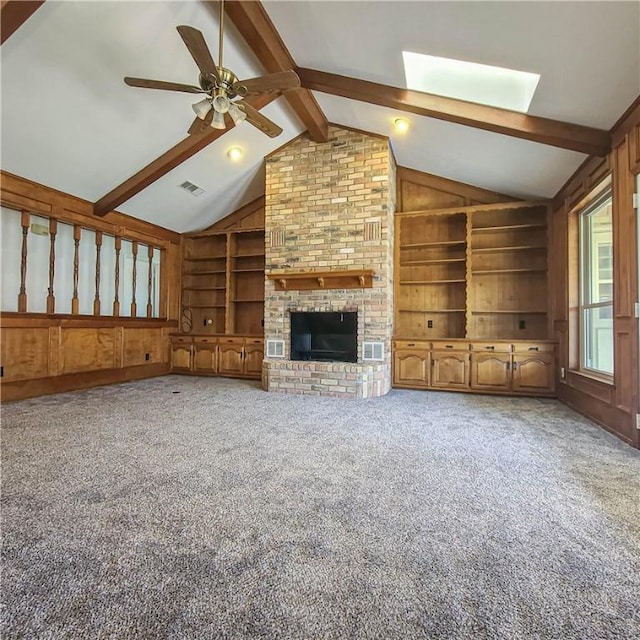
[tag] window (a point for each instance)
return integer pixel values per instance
(596, 286)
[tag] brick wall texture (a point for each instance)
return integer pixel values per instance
(330, 206)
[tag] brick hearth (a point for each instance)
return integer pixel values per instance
(330, 206)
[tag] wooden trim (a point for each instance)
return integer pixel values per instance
(255, 26)
(21, 389)
(14, 320)
(498, 206)
(625, 123)
(448, 186)
(14, 13)
(228, 223)
(511, 123)
(169, 160)
(313, 280)
(23, 194)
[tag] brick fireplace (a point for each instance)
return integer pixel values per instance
(329, 207)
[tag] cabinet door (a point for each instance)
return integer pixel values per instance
(411, 368)
(449, 370)
(491, 371)
(230, 358)
(181, 357)
(534, 373)
(205, 358)
(253, 357)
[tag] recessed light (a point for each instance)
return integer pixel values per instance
(401, 125)
(235, 153)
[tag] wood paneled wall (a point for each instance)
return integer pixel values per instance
(49, 353)
(613, 405)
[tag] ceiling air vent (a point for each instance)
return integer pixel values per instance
(275, 348)
(191, 188)
(373, 351)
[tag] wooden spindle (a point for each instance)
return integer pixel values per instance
(134, 306)
(150, 282)
(96, 300)
(116, 301)
(53, 230)
(22, 295)
(75, 301)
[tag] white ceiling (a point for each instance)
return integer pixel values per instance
(69, 121)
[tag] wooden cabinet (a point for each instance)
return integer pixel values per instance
(450, 369)
(253, 357)
(181, 354)
(491, 371)
(205, 355)
(235, 356)
(533, 373)
(485, 367)
(411, 368)
(230, 356)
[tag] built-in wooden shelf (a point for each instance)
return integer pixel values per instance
(443, 243)
(249, 255)
(245, 270)
(204, 288)
(409, 263)
(524, 247)
(484, 272)
(206, 306)
(508, 227)
(204, 259)
(248, 300)
(203, 273)
(431, 310)
(512, 311)
(311, 280)
(456, 281)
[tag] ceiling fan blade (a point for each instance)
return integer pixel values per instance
(281, 81)
(199, 50)
(144, 83)
(199, 126)
(259, 121)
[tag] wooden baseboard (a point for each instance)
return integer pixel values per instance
(22, 389)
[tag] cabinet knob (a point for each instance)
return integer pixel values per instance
(491, 348)
(448, 346)
(534, 349)
(411, 344)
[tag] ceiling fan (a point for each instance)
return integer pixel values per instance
(222, 87)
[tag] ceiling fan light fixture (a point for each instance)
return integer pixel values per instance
(221, 103)
(218, 120)
(202, 108)
(237, 114)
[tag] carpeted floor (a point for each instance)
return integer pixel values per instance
(206, 508)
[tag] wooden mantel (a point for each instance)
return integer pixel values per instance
(310, 280)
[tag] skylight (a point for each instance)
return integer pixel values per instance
(481, 83)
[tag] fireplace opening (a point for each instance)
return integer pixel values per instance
(324, 335)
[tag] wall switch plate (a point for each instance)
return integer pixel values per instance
(522, 324)
(563, 373)
(147, 356)
(429, 324)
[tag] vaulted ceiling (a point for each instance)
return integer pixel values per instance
(69, 121)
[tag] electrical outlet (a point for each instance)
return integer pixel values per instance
(522, 324)
(563, 373)
(147, 356)
(1, 372)
(429, 324)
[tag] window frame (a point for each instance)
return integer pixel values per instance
(587, 253)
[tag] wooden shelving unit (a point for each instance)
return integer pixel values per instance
(473, 272)
(223, 282)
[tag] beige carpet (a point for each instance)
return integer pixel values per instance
(193, 508)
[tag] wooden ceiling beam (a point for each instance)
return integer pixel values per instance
(14, 13)
(170, 160)
(511, 123)
(252, 21)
